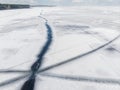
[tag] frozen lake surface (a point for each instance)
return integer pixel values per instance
(63, 48)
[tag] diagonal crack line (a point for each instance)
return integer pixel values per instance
(13, 80)
(77, 57)
(66, 61)
(82, 78)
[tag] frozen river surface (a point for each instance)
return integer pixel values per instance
(60, 48)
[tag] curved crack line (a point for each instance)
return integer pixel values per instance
(30, 83)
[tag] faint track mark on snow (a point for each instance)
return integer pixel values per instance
(82, 78)
(101, 37)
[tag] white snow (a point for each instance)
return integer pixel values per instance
(76, 31)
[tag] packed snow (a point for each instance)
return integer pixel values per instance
(84, 54)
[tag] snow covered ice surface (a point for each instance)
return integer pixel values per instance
(84, 55)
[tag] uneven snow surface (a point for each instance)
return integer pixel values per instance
(82, 54)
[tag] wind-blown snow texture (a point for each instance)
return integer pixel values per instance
(84, 54)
